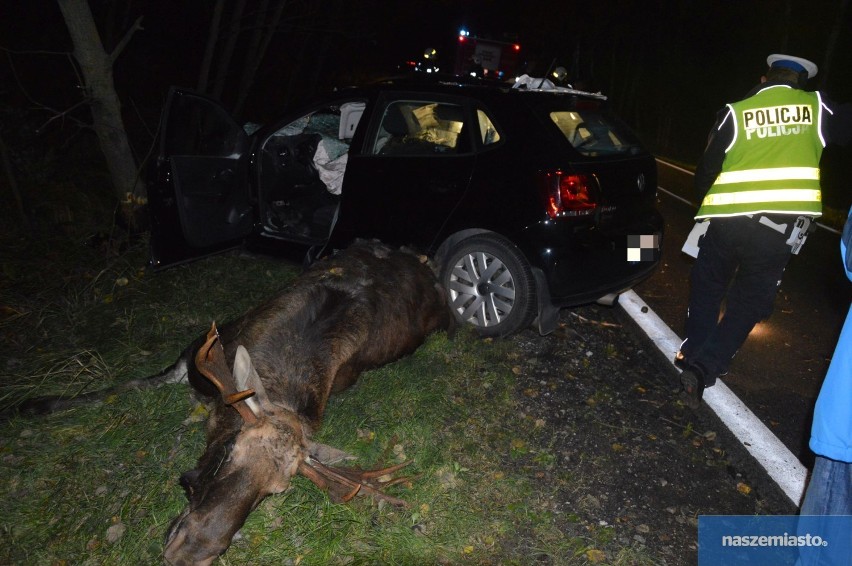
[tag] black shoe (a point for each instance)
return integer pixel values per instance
(693, 387)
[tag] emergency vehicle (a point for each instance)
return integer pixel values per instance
(486, 58)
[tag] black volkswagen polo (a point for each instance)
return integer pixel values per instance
(528, 200)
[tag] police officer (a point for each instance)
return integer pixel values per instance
(759, 184)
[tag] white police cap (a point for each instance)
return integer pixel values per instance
(790, 62)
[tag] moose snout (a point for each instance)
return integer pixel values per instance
(190, 543)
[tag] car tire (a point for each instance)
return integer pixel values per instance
(490, 285)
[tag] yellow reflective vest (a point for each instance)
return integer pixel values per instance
(772, 163)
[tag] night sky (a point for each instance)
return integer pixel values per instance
(672, 62)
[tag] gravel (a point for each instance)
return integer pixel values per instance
(615, 453)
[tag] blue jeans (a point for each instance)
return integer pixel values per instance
(829, 493)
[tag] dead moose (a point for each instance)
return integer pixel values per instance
(270, 374)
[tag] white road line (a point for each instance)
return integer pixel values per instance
(673, 166)
(781, 465)
(678, 197)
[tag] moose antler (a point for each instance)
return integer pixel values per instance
(343, 484)
(210, 361)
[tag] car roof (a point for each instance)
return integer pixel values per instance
(469, 86)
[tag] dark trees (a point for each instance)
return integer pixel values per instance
(96, 66)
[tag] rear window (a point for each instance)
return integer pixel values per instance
(594, 132)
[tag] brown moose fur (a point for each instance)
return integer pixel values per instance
(360, 309)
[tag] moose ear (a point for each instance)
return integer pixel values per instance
(246, 377)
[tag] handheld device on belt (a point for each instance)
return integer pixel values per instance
(800, 232)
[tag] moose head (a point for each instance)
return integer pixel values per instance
(253, 451)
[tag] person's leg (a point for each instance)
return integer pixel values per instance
(750, 299)
(830, 489)
(709, 280)
(829, 495)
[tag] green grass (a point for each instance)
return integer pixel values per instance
(98, 485)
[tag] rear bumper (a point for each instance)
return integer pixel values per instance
(580, 264)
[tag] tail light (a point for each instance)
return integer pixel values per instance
(569, 195)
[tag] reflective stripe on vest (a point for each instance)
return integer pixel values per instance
(798, 201)
(767, 196)
(773, 174)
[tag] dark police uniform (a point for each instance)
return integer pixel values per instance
(758, 176)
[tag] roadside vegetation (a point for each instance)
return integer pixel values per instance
(98, 484)
(560, 450)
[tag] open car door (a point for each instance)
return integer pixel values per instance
(198, 193)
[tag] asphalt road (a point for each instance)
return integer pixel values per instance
(779, 370)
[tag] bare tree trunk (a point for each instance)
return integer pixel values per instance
(13, 183)
(826, 67)
(96, 66)
(210, 50)
(228, 51)
(786, 22)
(264, 33)
(296, 70)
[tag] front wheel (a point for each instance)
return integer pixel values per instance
(490, 285)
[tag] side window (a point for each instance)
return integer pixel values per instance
(488, 133)
(415, 127)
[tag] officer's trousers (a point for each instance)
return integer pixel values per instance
(740, 262)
